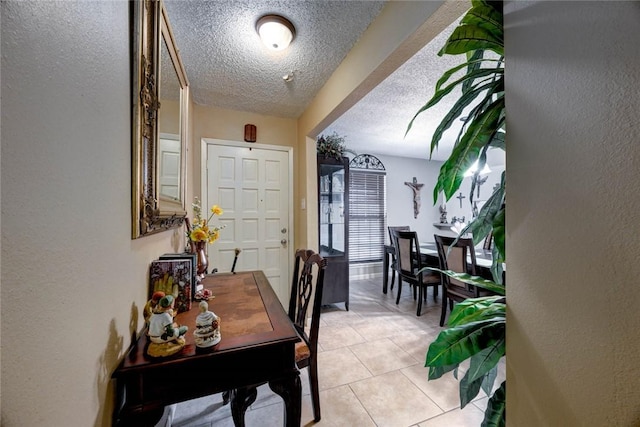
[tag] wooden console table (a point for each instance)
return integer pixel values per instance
(257, 346)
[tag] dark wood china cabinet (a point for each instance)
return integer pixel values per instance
(333, 205)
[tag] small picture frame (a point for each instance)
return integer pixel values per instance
(173, 277)
(194, 267)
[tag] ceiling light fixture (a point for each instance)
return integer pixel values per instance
(275, 31)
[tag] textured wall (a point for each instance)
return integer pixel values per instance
(573, 340)
(73, 281)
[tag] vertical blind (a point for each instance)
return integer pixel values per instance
(367, 215)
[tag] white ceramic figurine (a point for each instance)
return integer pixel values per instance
(207, 333)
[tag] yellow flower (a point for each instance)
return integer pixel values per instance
(201, 229)
(198, 235)
(213, 236)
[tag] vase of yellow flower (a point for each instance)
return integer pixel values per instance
(201, 233)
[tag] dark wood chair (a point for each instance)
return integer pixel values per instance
(302, 293)
(458, 257)
(410, 262)
(394, 264)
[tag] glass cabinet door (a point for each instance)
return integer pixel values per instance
(332, 209)
(333, 221)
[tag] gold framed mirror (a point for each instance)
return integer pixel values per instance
(160, 117)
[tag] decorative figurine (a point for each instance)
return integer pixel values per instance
(443, 214)
(151, 306)
(165, 335)
(207, 333)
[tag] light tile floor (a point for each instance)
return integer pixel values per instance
(371, 371)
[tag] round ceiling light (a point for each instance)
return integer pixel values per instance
(275, 31)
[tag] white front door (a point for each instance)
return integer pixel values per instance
(169, 166)
(253, 188)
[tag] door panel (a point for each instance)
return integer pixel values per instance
(253, 189)
(169, 167)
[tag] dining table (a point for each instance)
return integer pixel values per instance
(257, 347)
(429, 253)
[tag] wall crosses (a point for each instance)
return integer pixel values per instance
(460, 197)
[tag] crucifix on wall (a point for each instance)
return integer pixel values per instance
(415, 187)
(460, 197)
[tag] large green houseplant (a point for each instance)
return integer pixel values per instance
(476, 327)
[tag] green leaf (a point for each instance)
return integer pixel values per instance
(487, 18)
(472, 73)
(497, 270)
(466, 38)
(482, 225)
(441, 93)
(495, 415)
(484, 364)
(482, 161)
(499, 234)
(436, 372)
(468, 390)
(498, 141)
(476, 309)
(481, 375)
(481, 282)
(466, 152)
(453, 345)
(489, 380)
(475, 59)
(458, 108)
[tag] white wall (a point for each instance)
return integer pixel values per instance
(573, 213)
(400, 196)
(73, 281)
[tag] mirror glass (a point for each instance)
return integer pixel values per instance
(169, 143)
(160, 114)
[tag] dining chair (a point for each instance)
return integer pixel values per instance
(302, 294)
(304, 291)
(458, 256)
(394, 263)
(410, 264)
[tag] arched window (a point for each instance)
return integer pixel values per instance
(367, 208)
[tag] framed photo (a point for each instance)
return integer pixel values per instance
(173, 277)
(194, 267)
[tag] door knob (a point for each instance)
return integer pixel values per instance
(284, 230)
(283, 241)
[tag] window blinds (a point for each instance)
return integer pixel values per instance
(367, 215)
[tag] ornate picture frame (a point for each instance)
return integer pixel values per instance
(151, 37)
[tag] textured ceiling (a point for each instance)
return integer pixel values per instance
(228, 67)
(385, 112)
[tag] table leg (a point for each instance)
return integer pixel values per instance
(290, 389)
(241, 399)
(385, 272)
